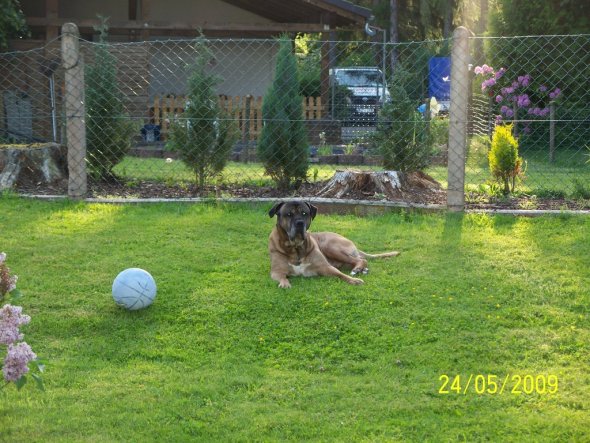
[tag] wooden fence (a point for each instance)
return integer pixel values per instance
(246, 110)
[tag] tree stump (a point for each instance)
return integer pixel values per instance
(32, 165)
(394, 185)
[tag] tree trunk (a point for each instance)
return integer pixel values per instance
(448, 19)
(394, 185)
(31, 165)
(393, 32)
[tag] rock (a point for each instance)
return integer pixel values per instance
(31, 165)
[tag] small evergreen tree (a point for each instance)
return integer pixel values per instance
(505, 164)
(283, 140)
(109, 130)
(402, 135)
(204, 135)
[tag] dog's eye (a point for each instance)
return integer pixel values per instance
(289, 214)
(304, 213)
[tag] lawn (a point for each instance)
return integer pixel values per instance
(225, 355)
(568, 176)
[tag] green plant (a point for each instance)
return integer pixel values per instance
(581, 190)
(109, 130)
(308, 54)
(221, 349)
(439, 133)
(283, 146)
(505, 164)
(12, 22)
(15, 366)
(204, 135)
(402, 135)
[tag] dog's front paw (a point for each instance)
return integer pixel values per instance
(356, 281)
(359, 270)
(284, 283)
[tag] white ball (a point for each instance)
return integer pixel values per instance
(134, 289)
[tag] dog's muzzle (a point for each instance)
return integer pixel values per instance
(297, 229)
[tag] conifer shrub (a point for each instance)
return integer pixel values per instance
(204, 134)
(282, 146)
(505, 164)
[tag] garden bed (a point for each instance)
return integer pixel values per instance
(156, 189)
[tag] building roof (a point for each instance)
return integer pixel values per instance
(335, 13)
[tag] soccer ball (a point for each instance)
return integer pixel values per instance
(134, 289)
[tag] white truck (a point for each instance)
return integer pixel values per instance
(357, 93)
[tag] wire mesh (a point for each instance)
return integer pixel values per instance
(539, 86)
(180, 117)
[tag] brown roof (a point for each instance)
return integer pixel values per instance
(336, 13)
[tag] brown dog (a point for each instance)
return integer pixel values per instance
(295, 251)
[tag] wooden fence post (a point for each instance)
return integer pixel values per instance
(458, 119)
(75, 110)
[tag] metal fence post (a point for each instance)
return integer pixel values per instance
(551, 132)
(75, 110)
(458, 119)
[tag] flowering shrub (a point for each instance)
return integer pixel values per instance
(19, 354)
(522, 94)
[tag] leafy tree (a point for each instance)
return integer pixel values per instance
(540, 17)
(283, 146)
(109, 130)
(12, 22)
(204, 135)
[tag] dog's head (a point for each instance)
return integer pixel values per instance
(294, 217)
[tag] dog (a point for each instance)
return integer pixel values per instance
(296, 252)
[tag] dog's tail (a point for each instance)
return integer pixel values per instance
(383, 255)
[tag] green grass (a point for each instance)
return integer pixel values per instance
(224, 355)
(135, 168)
(568, 176)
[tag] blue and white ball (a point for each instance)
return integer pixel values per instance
(134, 289)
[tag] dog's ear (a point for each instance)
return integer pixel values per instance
(312, 210)
(275, 209)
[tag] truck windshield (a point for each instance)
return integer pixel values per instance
(359, 78)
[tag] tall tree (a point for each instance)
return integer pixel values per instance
(12, 22)
(283, 146)
(204, 135)
(393, 30)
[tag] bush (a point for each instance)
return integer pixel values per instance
(204, 135)
(505, 164)
(109, 130)
(283, 146)
(402, 135)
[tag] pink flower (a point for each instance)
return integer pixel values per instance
(11, 318)
(478, 70)
(17, 360)
(523, 101)
(555, 94)
(542, 88)
(499, 98)
(487, 69)
(500, 73)
(7, 282)
(524, 80)
(488, 83)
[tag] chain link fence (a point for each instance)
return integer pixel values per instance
(180, 118)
